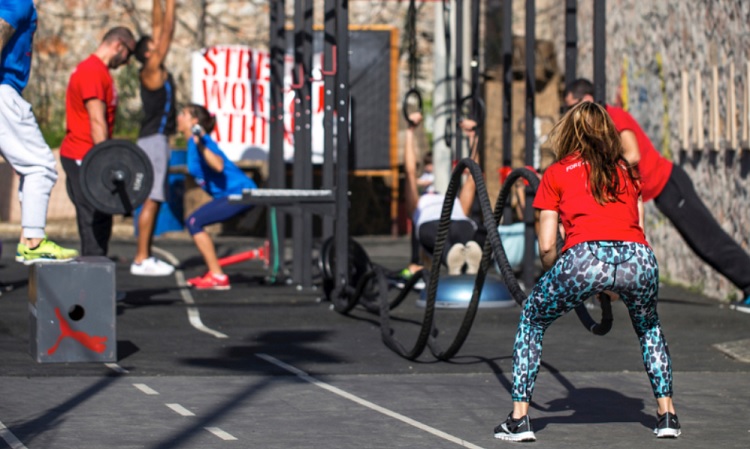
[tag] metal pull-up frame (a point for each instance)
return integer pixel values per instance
(571, 54)
(302, 202)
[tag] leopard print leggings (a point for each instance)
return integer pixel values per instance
(627, 268)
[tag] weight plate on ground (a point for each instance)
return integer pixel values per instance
(359, 266)
(116, 176)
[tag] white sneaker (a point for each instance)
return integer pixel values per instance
(473, 257)
(151, 267)
(456, 259)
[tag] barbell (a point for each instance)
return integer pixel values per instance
(116, 176)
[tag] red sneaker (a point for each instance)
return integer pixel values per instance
(210, 281)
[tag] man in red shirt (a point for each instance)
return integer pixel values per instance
(675, 197)
(90, 106)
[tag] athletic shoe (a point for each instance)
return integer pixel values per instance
(742, 306)
(668, 426)
(403, 278)
(151, 267)
(456, 259)
(473, 257)
(46, 251)
(210, 281)
(515, 429)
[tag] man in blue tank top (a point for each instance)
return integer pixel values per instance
(22, 144)
(158, 97)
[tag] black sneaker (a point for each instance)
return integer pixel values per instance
(668, 426)
(515, 429)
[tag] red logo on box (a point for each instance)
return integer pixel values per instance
(93, 343)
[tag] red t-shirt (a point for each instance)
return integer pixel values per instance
(90, 80)
(653, 167)
(564, 189)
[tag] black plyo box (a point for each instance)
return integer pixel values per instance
(72, 311)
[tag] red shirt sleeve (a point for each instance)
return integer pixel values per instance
(92, 86)
(548, 195)
(622, 120)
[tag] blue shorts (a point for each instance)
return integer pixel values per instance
(217, 211)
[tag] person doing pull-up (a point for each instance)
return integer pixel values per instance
(158, 97)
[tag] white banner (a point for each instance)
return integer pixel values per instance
(233, 82)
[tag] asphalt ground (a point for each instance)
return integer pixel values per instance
(275, 367)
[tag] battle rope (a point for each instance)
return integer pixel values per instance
(366, 272)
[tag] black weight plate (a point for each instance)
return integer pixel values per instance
(359, 266)
(112, 159)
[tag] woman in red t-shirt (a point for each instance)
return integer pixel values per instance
(595, 194)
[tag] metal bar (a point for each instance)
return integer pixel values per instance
(342, 145)
(459, 80)
(276, 165)
(571, 40)
(507, 58)
(329, 44)
(530, 140)
(302, 174)
(476, 93)
(600, 51)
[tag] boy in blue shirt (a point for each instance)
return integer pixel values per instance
(218, 176)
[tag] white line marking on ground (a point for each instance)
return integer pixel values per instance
(9, 438)
(146, 389)
(177, 408)
(366, 403)
(193, 315)
(116, 368)
(221, 434)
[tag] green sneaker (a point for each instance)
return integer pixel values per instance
(406, 274)
(47, 251)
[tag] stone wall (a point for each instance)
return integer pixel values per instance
(649, 44)
(69, 30)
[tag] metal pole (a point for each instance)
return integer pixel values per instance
(276, 167)
(528, 260)
(600, 51)
(302, 176)
(329, 44)
(459, 79)
(571, 40)
(507, 58)
(342, 144)
(442, 105)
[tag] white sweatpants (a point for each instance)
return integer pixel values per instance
(23, 146)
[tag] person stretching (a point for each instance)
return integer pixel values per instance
(674, 195)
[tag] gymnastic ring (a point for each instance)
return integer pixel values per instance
(477, 110)
(413, 92)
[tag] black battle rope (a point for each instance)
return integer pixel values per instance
(588, 322)
(493, 247)
(428, 332)
(362, 292)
